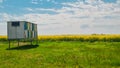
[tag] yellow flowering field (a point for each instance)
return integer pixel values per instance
(91, 38)
(3, 37)
(94, 37)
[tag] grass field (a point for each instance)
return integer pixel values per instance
(63, 51)
(61, 54)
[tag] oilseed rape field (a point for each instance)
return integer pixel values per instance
(63, 51)
(86, 38)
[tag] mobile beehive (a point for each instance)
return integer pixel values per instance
(18, 30)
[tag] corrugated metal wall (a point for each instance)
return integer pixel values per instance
(30, 30)
(26, 30)
(15, 32)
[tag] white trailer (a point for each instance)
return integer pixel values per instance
(21, 30)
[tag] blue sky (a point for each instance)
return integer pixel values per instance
(63, 16)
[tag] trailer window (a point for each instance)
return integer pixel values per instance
(15, 24)
(25, 26)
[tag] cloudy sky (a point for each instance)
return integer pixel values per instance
(63, 16)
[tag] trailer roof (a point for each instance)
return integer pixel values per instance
(20, 21)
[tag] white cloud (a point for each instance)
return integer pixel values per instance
(73, 16)
(39, 1)
(40, 9)
(3, 28)
(34, 2)
(77, 17)
(95, 8)
(4, 17)
(54, 2)
(29, 9)
(1, 1)
(48, 0)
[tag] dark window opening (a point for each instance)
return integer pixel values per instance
(25, 26)
(33, 27)
(15, 24)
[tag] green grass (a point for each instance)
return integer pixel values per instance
(61, 54)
